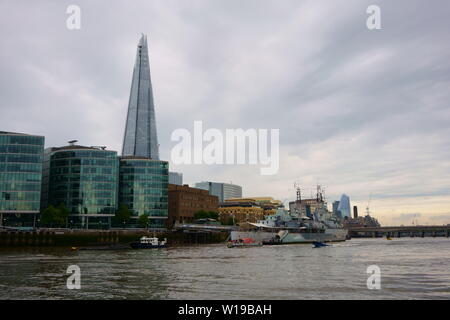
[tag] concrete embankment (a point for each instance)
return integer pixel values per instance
(73, 237)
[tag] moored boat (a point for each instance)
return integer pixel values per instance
(149, 243)
(243, 242)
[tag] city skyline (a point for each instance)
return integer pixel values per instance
(371, 105)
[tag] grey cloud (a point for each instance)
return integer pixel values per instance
(362, 111)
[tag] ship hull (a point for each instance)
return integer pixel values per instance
(137, 245)
(331, 235)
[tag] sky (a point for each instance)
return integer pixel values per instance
(361, 112)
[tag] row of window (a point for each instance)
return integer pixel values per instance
(152, 164)
(84, 162)
(13, 139)
(82, 178)
(83, 170)
(84, 202)
(140, 192)
(83, 195)
(84, 154)
(20, 186)
(24, 149)
(83, 186)
(19, 205)
(154, 177)
(20, 167)
(23, 158)
(144, 201)
(19, 195)
(144, 170)
(139, 185)
(23, 177)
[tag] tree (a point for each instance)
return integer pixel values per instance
(55, 217)
(213, 215)
(63, 214)
(143, 220)
(123, 215)
(202, 214)
(49, 216)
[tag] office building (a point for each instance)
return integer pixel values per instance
(21, 157)
(85, 180)
(176, 178)
(185, 202)
(223, 191)
(143, 188)
(344, 206)
(335, 209)
(355, 212)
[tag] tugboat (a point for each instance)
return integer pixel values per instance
(149, 243)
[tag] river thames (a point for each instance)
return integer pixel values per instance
(411, 268)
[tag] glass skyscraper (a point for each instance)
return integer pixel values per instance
(344, 206)
(140, 137)
(143, 188)
(85, 180)
(20, 178)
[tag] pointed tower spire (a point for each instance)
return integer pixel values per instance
(140, 137)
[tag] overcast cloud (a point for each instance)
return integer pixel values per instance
(361, 112)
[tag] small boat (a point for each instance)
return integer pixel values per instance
(318, 244)
(149, 243)
(244, 242)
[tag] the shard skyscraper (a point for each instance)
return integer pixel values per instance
(140, 137)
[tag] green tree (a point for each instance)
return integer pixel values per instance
(143, 220)
(202, 214)
(49, 216)
(123, 215)
(213, 215)
(62, 215)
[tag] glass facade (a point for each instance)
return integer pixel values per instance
(140, 137)
(143, 188)
(85, 180)
(20, 177)
(344, 206)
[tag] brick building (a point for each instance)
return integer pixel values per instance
(185, 201)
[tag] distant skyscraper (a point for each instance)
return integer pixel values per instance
(140, 137)
(176, 178)
(335, 209)
(355, 212)
(344, 206)
(223, 191)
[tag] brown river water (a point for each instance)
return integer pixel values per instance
(411, 268)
